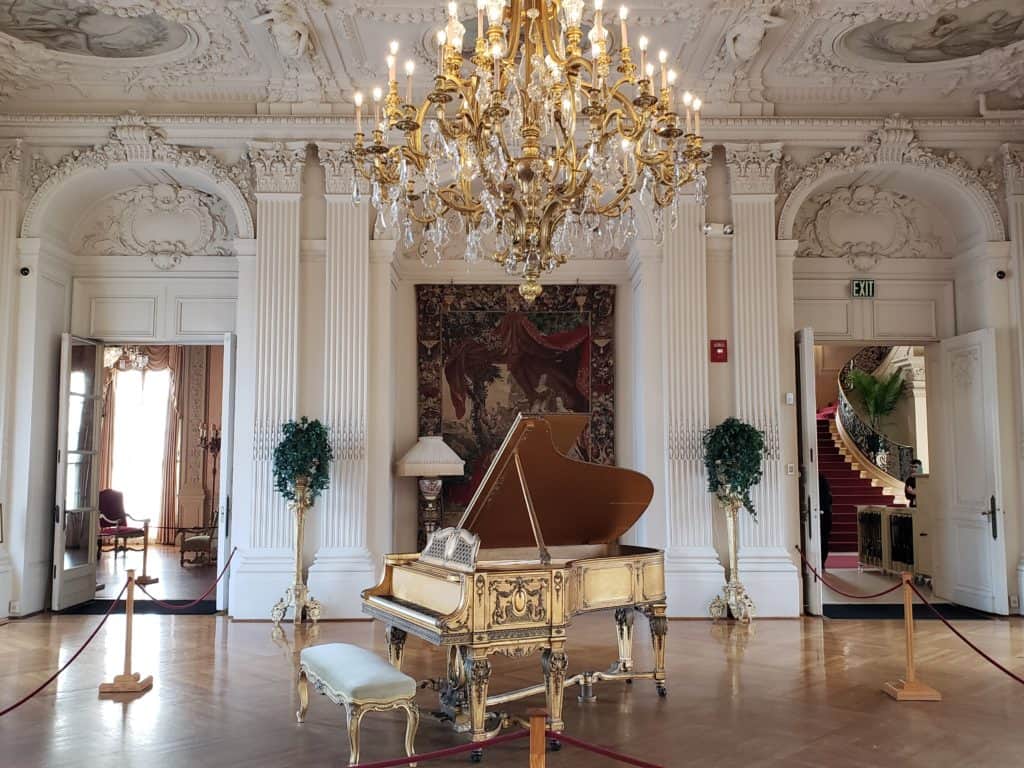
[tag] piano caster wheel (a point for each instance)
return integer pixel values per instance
(629, 681)
(554, 745)
(476, 756)
(662, 690)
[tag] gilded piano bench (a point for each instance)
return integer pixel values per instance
(361, 682)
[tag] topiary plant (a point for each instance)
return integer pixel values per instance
(733, 456)
(304, 452)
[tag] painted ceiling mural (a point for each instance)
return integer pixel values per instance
(750, 57)
(946, 36)
(71, 27)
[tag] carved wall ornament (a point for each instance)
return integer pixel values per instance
(337, 165)
(134, 140)
(895, 143)
(289, 31)
(278, 165)
(745, 35)
(753, 167)
(162, 222)
(10, 164)
(1013, 168)
(885, 224)
(964, 366)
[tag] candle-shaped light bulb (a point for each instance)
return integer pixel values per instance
(391, 67)
(496, 55)
(642, 42)
(649, 71)
(495, 11)
(687, 98)
(377, 94)
(357, 97)
(623, 13)
(688, 102)
(697, 104)
(663, 59)
(481, 6)
(393, 47)
(672, 76)
(598, 8)
(440, 51)
(410, 67)
(453, 9)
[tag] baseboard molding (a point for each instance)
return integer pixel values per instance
(259, 579)
(772, 581)
(338, 577)
(693, 578)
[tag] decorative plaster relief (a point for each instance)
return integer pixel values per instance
(163, 222)
(134, 140)
(1013, 168)
(836, 224)
(894, 143)
(10, 164)
(753, 167)
(337, 165)
(278, 165)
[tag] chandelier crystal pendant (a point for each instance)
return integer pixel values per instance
(128, 358)
(531, 148)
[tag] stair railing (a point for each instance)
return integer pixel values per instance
(890, 457)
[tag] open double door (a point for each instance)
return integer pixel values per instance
(76, 507)
(965, 397)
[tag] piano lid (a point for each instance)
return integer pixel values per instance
(574, 502)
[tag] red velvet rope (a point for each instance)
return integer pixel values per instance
(67, 663)
(836, 589)
(604, 751)
(198, 600)
(439, 753)
(957, 632)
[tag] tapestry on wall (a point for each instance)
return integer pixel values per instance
(485, 357)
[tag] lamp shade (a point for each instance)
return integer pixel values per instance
(430, 457)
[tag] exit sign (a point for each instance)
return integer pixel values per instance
(863, 289)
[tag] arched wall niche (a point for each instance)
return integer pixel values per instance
(944, 179)
(133, 146)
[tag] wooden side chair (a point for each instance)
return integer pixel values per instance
(114, 529)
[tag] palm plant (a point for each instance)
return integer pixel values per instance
(880, 396)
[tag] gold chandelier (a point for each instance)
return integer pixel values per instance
(536, 150)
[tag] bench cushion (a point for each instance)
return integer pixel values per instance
(356, 673)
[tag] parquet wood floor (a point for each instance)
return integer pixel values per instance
(800, 693)
(176, 582)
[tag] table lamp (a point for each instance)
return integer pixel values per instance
(430, 459)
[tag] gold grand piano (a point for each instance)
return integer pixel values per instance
(548, 527)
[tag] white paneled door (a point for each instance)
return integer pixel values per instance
(75, 511)
(810, 509)
(971, 567)
(227, 455)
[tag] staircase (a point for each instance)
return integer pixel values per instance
(849, 484)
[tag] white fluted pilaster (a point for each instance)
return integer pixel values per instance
(694, 571)
(10, 159)
(765, 566)
(266, 565)
(1013, 172)
(343, 564)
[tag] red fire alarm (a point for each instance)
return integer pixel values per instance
(719, 351)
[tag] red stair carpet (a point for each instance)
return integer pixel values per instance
(848, 490)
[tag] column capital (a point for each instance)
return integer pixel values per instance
(1013, 168)
(337, 165)
(10, 163)
(278, 165)
(753, 167)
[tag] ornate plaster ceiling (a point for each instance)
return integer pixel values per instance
(751, 57)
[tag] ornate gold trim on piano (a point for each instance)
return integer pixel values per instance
(547, 528)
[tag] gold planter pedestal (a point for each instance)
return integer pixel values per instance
(297, 595)
(734, 601)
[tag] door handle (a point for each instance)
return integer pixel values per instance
(993, 518)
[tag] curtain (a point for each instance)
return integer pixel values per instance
(107, 430)
(174, 360)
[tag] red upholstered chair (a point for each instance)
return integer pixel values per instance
(114, 528)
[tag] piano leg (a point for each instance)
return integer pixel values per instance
(395, 639)
(659, 630)
(555, 661)
(624, 634)
(478, 675)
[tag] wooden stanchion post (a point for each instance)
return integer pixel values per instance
(910, 688)
(145, 579)
(538, 742)
(128, 682)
